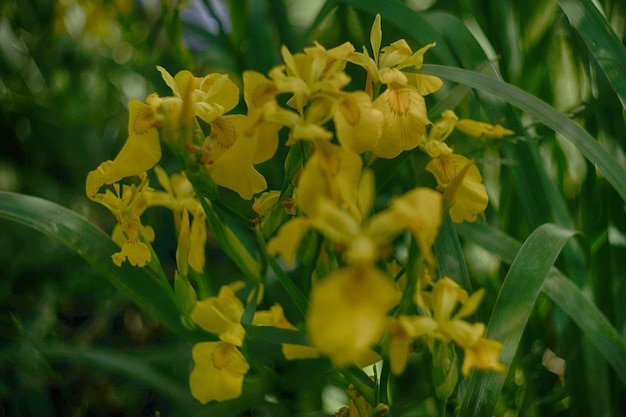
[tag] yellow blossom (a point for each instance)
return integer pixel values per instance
(482, 355)
(444, 321)
(467, 195)
(348, 311)
(221, 315)
(210, 96)
(218, 372)
(127, 203)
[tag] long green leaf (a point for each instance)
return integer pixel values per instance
(543, 112)
(586, 315)
(511, 312)
(562, 292)
(601, 42)
(76, 232)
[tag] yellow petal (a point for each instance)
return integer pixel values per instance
(218, 372)
(348, 312)
(441, 129)
(446, 294)
(482, 355)
(234, 169)
(425, 84)
(421, 211)
(405, 120)
(470, 196)
(141, 151)
(287, 241)
(197, 239)
(137, 253)
(334, 172)
(376, 36)
(257, 90)
(359, 126)
(221, 315)
(481, 129)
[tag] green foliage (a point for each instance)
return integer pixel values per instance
(72, 341)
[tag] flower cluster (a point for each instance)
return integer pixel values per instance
(358, 308)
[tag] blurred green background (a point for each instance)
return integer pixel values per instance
(67, 71)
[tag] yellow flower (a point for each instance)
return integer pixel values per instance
(275, 317)
(286, 242)
(444, 321)
(233, 153)
(442, 128)
(210, 96)
(127, 204)
(221, 315)
(348, 312)
(403, 330)
(218, 372)
(482, 355)
(462, 184)
(402, 102)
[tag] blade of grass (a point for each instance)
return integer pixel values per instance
(511, 312)
(601, 42)
(76, 232)
(543, 112)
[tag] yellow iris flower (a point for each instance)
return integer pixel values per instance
(441, 323)
(348, 312)
(218, 372)
(127, 203)
(401, 103)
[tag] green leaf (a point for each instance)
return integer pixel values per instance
(586, 315)
(562, 292)
(450, 255)
(141, 285)
(511, 312)
(543, 112)
(601, 42)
